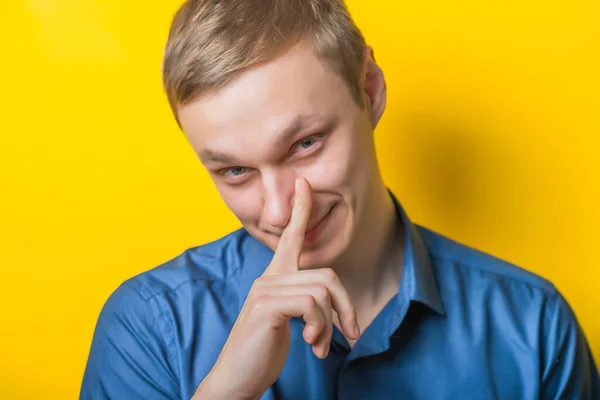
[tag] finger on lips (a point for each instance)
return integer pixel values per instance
(311, 294)
(287, 254)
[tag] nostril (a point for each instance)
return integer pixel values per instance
(270, 230)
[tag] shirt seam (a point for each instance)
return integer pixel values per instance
(152, 294)
(172, 354)
(144, 288)
(552, 291)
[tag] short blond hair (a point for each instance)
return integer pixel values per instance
(212, 40)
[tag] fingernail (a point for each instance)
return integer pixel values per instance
(325, 353)
(356, 330)
(297, 185)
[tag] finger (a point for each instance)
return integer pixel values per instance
(291, 241)
(319, 339)
(322, 345)
(340, 300)
(282, 308)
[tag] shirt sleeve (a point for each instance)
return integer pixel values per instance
(129, 358)
(568, 368)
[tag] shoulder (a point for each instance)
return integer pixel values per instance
(151, 309)
(144, 295)
(528, 313)
(212, 262)
(451, 257)
(158, 299)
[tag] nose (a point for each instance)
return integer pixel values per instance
(278, 192)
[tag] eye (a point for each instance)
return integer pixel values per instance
(235, 171)
(234, 174)
(308, 143)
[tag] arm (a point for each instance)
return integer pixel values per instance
(129, 358)
(568, 369)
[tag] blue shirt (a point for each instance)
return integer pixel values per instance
(464, 325)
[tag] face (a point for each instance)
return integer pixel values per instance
(292, 116)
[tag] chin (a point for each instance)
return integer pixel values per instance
(310, 260)
(324, 256)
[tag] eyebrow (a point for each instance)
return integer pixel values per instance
(298, 124)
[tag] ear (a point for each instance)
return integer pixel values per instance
(374, 87)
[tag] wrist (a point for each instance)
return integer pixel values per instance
(212, 389)
(209, 390)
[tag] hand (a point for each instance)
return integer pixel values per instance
(257, 348)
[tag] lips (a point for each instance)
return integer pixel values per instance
(319, 222)
(314, 231)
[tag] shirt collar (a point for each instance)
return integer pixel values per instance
(418, 281)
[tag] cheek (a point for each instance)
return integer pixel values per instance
(245, 203)
(335, 169)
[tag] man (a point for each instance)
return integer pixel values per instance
(329, 291)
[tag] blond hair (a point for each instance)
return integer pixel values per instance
(212, 40)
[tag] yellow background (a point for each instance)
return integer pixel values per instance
(490, 137)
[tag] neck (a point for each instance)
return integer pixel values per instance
(372, 267)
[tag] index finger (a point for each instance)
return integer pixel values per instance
(289, 248)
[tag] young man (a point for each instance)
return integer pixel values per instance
(329, 291)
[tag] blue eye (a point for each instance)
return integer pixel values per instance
(308, 142)
(236, 171)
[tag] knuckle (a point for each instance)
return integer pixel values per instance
(309, 302)
(351, 311)
(321, 292)
(257, 284)
(257, 287)
(259, 304)
(330, 275)
(319, 326)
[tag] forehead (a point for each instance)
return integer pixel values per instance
(259, 102)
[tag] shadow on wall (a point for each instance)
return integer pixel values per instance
(467, 178)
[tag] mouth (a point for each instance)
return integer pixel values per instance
(314, 232)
